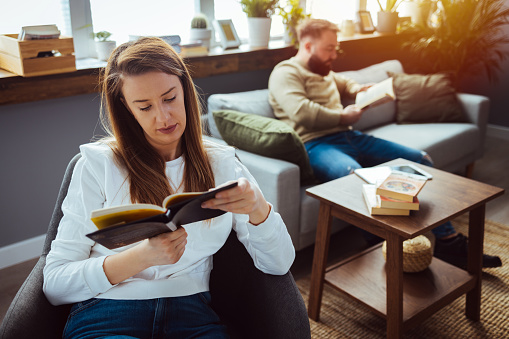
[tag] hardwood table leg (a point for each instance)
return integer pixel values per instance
(319, 261)
(394, 271)
(475, 251)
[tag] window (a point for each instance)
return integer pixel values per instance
(35, 12)
(231, 9)
(404, 9)
(148, 17)
(333, 10)
(338, 10)
(125, 17)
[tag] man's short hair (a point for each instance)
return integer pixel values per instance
(314, 28)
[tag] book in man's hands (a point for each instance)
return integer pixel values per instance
(377, 94)
(374, 205)
(126, 224)
(401, 186)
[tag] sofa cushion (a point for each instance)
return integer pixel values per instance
(264, 136)
(374, 73)
(254, 102)
(445, 143)
(379, 115)
(425, 99)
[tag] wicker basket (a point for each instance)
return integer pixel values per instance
(417, 253)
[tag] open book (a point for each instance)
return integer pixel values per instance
(126, 224)
(377, 94)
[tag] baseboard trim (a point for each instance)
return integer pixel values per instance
(498, 131)
(21, 251)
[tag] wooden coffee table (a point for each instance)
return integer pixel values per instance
(403, 299)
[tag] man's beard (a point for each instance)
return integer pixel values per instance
(319, 67)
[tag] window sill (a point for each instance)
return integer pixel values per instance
(17, 89)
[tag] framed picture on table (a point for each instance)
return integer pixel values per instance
(227, 33)
(365, 22)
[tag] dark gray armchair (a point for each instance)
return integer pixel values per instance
(251, 303)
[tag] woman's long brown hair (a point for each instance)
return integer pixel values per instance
(144, 165)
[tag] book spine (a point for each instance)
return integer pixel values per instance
(389, 211)
(394, 195)
(400, 205)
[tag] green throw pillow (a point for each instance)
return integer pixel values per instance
(264, 136)
(426, 98)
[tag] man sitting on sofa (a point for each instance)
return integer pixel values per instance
(306, 94)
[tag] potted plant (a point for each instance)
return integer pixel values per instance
(465, 38)
(292, 15)
(200, 30)
(420, 11)
(259, 13)
(388, 17)
(103, 45)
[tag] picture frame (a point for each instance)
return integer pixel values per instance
(365, 22)
(227, 33)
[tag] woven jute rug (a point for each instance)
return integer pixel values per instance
(341, 317)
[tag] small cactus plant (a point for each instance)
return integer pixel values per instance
(199, 21)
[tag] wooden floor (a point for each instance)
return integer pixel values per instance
(492, 169)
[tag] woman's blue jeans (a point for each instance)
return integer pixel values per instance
(178, 317)
(337, 155)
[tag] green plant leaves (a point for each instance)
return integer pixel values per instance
(466, 39)
(259, 8)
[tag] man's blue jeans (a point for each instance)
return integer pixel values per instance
(337, 155)
(179, 317)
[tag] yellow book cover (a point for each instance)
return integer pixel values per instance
(123, 225)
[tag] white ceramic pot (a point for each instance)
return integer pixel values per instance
(203, 34)
(387, 22)
(104, 49)
(347, 28)
(259, 31)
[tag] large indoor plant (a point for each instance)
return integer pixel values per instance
(292, 14)
(259, 13)
(465, 39)
(387, 17)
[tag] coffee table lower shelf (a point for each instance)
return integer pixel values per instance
(363, 277)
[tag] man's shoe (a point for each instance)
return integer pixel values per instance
(455, 252)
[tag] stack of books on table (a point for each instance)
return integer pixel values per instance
(396, 195)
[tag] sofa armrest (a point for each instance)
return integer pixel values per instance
(30, 314)
(280, 183)
(477, 109)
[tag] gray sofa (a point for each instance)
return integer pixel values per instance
(452, 146)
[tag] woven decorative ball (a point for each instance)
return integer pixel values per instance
(417, 253)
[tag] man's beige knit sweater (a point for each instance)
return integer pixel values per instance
(308, 102)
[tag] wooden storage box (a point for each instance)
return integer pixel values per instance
(20, 57)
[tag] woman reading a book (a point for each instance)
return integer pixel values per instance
(155, 149)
